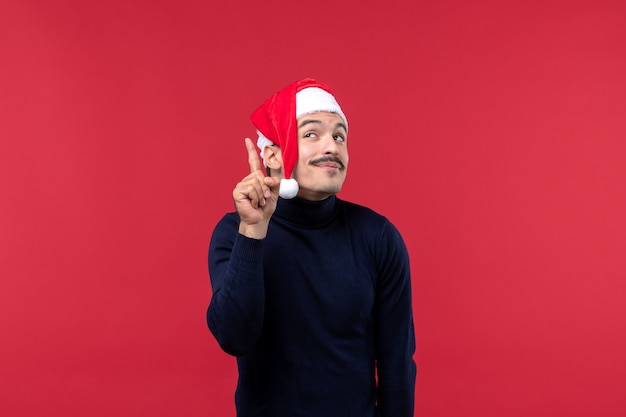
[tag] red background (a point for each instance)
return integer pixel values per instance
(491, 133)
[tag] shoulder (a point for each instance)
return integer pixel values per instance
(358, 210)
(373, 227)
(362, 215)
(226, 228)
(228, 220)
(384, 242)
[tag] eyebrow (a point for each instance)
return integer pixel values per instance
(309, 121)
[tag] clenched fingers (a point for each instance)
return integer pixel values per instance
(253, 188)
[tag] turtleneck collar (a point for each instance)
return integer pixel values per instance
(307, 213)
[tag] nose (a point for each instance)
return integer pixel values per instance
(329, 144)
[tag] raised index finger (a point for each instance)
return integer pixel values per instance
(253, 157)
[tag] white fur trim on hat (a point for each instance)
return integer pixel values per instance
(262, 142)
(314, 99)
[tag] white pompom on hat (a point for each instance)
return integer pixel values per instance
(276, 122)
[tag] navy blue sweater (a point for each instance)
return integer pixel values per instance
(318, 313)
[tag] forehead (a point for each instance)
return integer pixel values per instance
(324, 117)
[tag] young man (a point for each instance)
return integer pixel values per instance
(312, 294)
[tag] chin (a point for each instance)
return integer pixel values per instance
(319, 192)
(331, 189)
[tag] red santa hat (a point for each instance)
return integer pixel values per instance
(276, 122)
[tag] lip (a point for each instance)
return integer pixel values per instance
(329, 165)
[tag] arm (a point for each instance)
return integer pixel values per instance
(395, 337)
(235, 314)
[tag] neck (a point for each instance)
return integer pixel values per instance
(307, 213)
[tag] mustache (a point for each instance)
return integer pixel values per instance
(328, 158)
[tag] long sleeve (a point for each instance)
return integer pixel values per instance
(235, 313)
(395, 337)
(318, 312)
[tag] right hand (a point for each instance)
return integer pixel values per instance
(255, 197)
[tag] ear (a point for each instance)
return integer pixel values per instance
(273, 158)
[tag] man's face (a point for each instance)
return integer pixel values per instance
(322, 155)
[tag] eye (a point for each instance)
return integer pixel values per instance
(339, 138)
(310, 135)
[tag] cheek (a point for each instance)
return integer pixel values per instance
(302, 160)
(305, 154)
